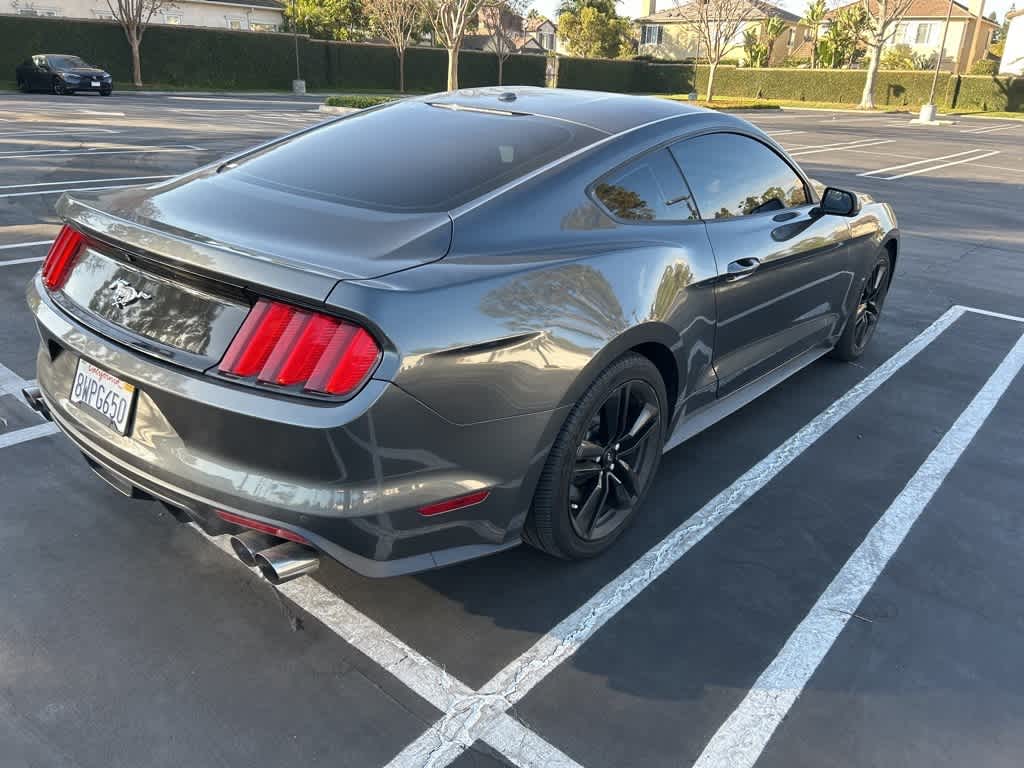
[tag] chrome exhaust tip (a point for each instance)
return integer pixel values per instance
(34, 399)
(286, 562)
(250, 543)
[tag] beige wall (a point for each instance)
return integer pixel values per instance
(224, 16)
(680, 41)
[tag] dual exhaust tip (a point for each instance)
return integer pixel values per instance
(278, 560)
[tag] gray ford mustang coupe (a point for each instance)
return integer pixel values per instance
(430, 330)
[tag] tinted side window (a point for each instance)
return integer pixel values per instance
(732, 175)
(647, 189)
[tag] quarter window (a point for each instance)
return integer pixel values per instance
(647, 189)
(733, 175)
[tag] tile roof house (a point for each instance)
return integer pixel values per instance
(252, 15)
(921, 30)
(671, 34)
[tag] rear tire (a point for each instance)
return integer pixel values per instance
(860, 327)
(23, 86)
(602, 462)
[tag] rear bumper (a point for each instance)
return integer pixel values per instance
(348, 477)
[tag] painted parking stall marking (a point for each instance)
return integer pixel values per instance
(481, 714)
(745, 734)
(967, 156)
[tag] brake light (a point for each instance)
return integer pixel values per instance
(61, 257)
(287, 346)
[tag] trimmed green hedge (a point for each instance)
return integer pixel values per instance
(624, 76)
(193, 57)
(841, 86)
(997, 94)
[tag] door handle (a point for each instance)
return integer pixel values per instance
(740, 268)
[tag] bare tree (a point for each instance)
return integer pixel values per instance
(718, 26)
(134, 16)
(450, 18)
(398, 21)
(885, 17)
(494, 15)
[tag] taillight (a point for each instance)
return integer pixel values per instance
(61, 257)
(287, 346)
(256, 525)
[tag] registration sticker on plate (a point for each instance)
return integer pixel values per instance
(104, 394)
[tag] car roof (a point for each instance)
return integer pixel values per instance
(610, 113)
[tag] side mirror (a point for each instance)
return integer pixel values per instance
(839, 202)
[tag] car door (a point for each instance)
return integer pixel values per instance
(784, 269)
(649, 194)
(40, 73)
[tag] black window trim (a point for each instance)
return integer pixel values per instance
(809, 195)
(591, 190)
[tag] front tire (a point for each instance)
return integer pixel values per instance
(59, 88)
(860, 328)
(602, 463)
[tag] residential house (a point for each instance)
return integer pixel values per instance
(254, 15)
(1013, 48)
(921, 31)
(520, 35)
(543, 30)
(672, 33)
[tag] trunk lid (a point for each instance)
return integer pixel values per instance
(173, 274)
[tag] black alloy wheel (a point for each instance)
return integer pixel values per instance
(612, 460)
(870, 307)
(862, 323)
(602, 463)
(58, 87)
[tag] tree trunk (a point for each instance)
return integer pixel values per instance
(501, 61)
(867, 99)
(401, 70)
(814, 50)
(711, 80)
(136, 62)
(453, 68)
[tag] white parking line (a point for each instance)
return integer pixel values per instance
(56, 153)
(25, 434)
(25, 245)
(13, 262)
(937, 167)
(744, 735)
(990, 129)
(843, 145)
(920, 162)
(480, 715)
(514, 740)
(50, 132)
(79, 181)
(80, 189)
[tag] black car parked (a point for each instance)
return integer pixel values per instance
(61, 73)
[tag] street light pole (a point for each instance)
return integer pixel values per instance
(298, 84)
(928, 110)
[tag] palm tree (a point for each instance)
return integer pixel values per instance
(813, 16)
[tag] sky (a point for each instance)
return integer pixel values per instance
(631, 8)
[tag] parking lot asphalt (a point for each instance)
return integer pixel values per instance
(830, 577)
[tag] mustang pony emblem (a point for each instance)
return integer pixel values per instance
(125, 294)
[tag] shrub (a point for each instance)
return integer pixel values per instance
(984, 67)
(356, 101)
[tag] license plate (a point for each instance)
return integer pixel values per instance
(104, 394)
(95, 85)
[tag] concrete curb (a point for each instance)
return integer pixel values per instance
(337, 110)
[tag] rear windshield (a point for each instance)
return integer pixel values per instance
(411, 156)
